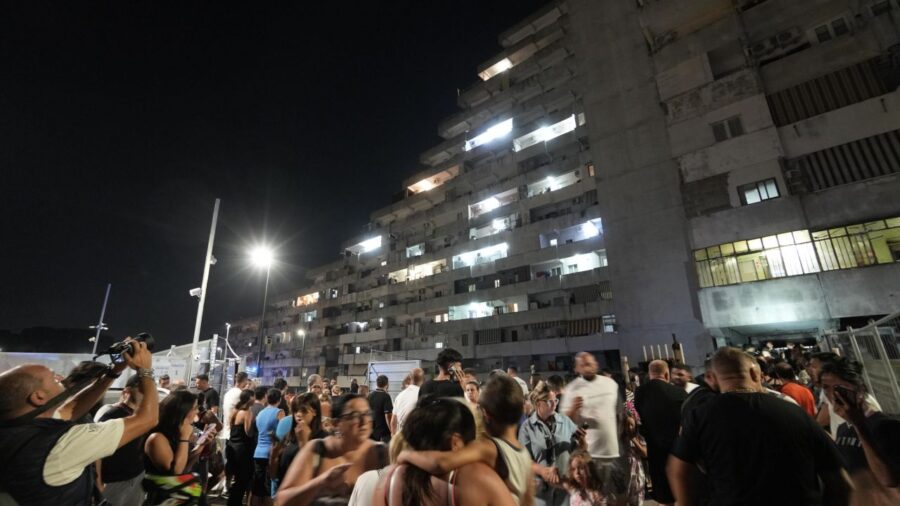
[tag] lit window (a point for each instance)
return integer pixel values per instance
(727, 129)
(493, 202)
(494, 132)
(554, 242)
(438, 345)
(497, 68)
(609, 323)
(481, 256)
(365, 246)
(757, 192)
(305, 300)
(496, 283)
(415, 250)
(545, 134)
(383, 263)
(357, 350)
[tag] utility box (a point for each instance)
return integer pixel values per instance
(395, 370)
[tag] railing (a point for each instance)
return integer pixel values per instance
(877, 347)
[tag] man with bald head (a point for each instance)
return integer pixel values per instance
(755, 448)
(406, 400)
(659, 404)
(47, 456)
(592, 401)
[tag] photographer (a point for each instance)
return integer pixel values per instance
(448, 382)
(47, 455)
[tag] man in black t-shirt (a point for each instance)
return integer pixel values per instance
(659, 404)
(382, 407)
(123, 471)
(869, 440)
(445, 385)
(209, 397)
(756, 449)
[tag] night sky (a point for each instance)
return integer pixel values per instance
(121, 123)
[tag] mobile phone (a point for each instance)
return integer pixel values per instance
(205, 436)
(847, 395)
(117, 358)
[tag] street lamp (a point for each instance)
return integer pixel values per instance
(302, 333)
(262, 256)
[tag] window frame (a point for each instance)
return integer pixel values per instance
(727, 129)
(761, 188)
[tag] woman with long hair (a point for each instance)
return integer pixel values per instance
(306, 424)
(325, 470)
(583, 483)
(240, 448)
(167, 450)
(441, 424)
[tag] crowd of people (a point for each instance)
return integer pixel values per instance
(755, 428)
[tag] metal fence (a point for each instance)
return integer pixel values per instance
(877, 346)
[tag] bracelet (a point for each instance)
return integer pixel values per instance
(188, 441)
(145, 373)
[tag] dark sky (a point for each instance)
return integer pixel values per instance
(121, 122)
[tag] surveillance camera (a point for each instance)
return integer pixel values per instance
(195, 292)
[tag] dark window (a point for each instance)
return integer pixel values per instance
(881, 7)
(514, 335)
(839, 26)
(464, 339)
(728, 128)
(757, 192)
(719, 132)
(823, 33)
(735, 127)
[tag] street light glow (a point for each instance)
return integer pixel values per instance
(262, 256)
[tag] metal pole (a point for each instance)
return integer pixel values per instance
(303, 357)
(100, 323)
(206, 265)
(262, 320)
(855, 345)
(892, 378)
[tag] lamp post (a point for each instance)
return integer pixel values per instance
(302, 334)
(262, 257)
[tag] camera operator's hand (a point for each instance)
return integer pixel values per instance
(140, 358)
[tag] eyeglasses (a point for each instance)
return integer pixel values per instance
(357, 416)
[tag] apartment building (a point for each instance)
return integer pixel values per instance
(622, 172)
(782, 118)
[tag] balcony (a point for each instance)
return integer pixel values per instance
(665, 21)
(858, 121)
(370, 336)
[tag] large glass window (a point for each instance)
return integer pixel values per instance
(799, 252)
(493, 132)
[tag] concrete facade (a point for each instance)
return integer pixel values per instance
(604, 185)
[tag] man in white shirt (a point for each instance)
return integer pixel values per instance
(232, 396)
(592, 402)
(513, 372)
(48, 457)
(406, 400)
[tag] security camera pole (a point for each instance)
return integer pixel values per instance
(209, 261)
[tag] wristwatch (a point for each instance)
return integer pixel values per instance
(145, 373)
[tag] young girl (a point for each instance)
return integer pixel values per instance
(583, 484)
(501, 403)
